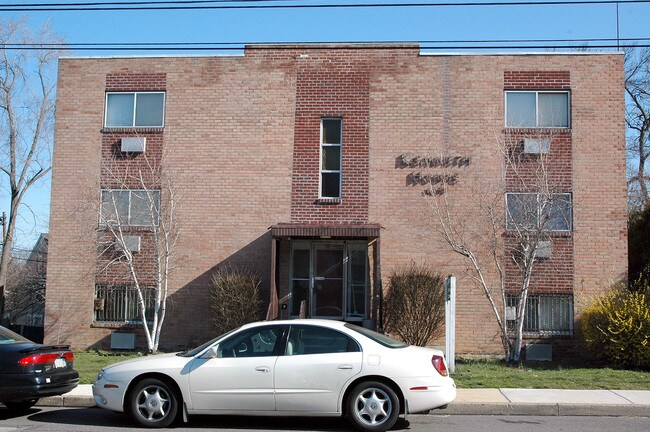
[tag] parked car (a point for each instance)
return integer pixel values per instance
(298, 367)
(29, 371)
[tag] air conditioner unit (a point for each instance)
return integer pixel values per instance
(131, 243)
(133, 144)
(544, 249)
(537, 145)
(122, 340)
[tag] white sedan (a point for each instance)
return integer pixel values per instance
(299, 367)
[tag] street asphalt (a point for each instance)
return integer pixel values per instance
(533, 402)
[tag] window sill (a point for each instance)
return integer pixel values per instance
(328, 201)
(537, 130)
(115, 325)
(133, 130)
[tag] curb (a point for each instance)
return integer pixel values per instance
(509, 409)
(458, 408)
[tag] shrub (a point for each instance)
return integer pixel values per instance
(235, 298)
(414, 307)
(616, 328)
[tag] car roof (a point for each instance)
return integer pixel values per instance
(300, 321)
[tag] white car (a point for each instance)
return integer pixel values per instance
(298, 367)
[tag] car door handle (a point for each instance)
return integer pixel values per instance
(263, 369)
(345, 367)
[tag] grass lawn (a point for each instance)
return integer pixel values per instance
(469, 374)
(89, 363)
(492, 374)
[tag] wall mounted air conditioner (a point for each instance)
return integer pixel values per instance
(134, 144)
(122, 340)
(537, 145)
(131, 243)
(544, 249)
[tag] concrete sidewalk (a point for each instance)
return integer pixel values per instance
(631, 403)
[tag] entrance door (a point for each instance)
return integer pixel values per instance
(327, 291)
(330, 279)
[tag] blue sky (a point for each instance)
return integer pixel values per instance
(321, 25)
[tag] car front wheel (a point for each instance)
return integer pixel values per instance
(373, 406)
(153, 403)
(21, 406)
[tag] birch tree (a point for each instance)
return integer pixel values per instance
(637, 119)
(508, 221)
(27, 93)
(140, 206)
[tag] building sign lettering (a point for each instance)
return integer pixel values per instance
(437, 181)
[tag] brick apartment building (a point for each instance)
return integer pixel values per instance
(311, 165)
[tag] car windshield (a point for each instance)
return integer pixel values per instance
(194, 351)
(9, 337)
(381, 339)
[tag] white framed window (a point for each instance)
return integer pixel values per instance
(531, 211)
(331, 140)
(546, 314)
(537, 109)
(135, 109)
(130, 207)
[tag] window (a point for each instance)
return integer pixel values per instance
(532, 211)
(256, 342)
(135, 109)
(119, 304)
(330, 167)
(548, 314)
(130, 207)
(304, 340)
(537, 109)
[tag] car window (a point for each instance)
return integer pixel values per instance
(255, 342)
(9, 337)
(377, 337)
(304, 340)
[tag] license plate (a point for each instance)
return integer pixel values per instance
(60, 363)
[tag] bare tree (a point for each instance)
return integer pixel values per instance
(27, 92)
(493, 235)
(140, 206)
(637, 119)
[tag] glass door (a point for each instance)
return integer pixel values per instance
(328, 277)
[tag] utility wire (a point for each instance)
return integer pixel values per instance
(189, 47)
(201, 4)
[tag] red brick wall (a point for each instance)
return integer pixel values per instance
(332, 84)
(537, 80)
(233, 125)
(136, 82)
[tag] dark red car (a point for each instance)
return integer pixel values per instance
(29, 371)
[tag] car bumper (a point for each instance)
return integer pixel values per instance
(109, 394)
(17, 387)
(425, 393)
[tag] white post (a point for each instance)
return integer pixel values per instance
(450, 323)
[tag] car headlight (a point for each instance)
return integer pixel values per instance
(100, 375)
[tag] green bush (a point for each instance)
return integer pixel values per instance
(616, 328)
(414, 307)
(235, 297)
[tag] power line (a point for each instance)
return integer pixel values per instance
(220, 4)
(599, 43)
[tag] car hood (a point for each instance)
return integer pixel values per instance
(149, 360)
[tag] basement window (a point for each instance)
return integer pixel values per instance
(546, 314)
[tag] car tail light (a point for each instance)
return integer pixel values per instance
(37, 359)
(439, 364)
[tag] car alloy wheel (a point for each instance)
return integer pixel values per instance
(373, 406)
(153, 403)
